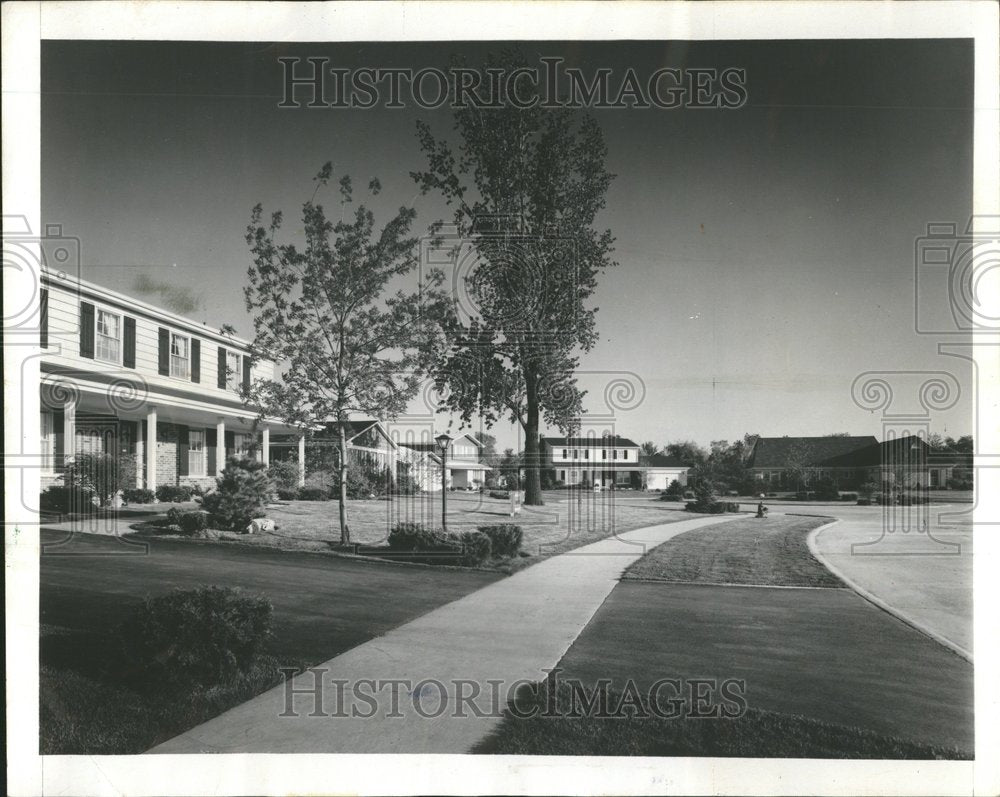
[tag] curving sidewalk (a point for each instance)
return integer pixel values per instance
(923, 576)
(480, 646)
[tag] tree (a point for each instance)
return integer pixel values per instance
(488, 455)
(647, 450)
(527, 184)
(797, 462)
(687, 451)
(510, 467)
(324, 309)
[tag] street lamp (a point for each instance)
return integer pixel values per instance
(443, 440)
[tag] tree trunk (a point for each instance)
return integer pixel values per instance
(532, 466)
(345, 532)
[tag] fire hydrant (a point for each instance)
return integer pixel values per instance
(761, 510)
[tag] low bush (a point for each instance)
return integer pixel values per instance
(287, 495)
(848, 496)
(138, 495)
(312, 494)
(66, 500)
(505, 538)
(474, 546)
(191, 523)
(174, 493)
(103, 475)
(204, 636)
(412, 537)
(864, 502)
(826, 489)
(284, 475)
(240, 495)
(501, 494)
(675, 490)
(716, 508)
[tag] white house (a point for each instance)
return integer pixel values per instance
(122, 376)
(463, 467)
(607, 461)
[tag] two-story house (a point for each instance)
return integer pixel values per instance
(122, 376)
(605, 461)
(463, 468)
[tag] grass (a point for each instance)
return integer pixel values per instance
(565, 522)
(755, 734)
(323, 606)
(770, 551)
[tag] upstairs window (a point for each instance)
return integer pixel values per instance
(586, 453)
(180, 356)
(234, 379)
(614, 454)
(564, 454)
(109, 337)
(604, 453)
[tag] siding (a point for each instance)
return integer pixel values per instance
(64, 333)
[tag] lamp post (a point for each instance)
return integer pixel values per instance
(443, 440)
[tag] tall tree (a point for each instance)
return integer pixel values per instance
(324, 309)
(687, 451)
(527, 184)
(647, 450)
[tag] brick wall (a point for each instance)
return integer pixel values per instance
(166, 453)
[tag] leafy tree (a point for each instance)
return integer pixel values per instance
(527, 184)
(687, 451)
(647, 450)
(797, 461)
(351, 348)
(510, 467)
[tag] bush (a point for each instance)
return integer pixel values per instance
(715, 508)
(174, 493)
(103, 475)
(284, 475)
(505, 538)
(287, 495)
(475, 547)
(675, 489)
(412, 537)
(826, 489)
(240, 495)
(64, 500)
(138, 495)
(848, 496)
(191, 523)
(204, 636)
(312, 494)
(501, 494)
(864, 502)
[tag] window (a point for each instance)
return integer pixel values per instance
(576, 454)
(196, 452)
(562, 475)
(586, 453)
(624, 453)
(180, 356)
(48, 443)
(614, 454)
(233, 377)
(604, 453)
(564, 454)
(241, 444)
(109, 337)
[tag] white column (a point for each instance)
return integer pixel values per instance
(220, 446)
(151, 449)
(302, 461)
(139, 454)
(265, 447)
(69, 430)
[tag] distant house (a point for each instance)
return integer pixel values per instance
(945, 465)
(849, 460)
(463, 468)
(662, 469)
(607, 461)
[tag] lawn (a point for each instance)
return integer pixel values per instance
(750, 550)
(825, 673)
(323, 606)
(566, 521)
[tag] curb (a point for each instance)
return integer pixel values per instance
(878, 602)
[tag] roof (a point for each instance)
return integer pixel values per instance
(610, 441)
(353, 428)
(663, 461)
(431, 445)
(776, 452)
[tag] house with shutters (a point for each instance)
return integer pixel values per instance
(463, 467)
(122, 376)
(607, 461)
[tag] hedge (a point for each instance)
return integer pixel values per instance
(505, 538)
(174, 493)
(138, 495)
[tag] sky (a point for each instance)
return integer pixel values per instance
(765, 253)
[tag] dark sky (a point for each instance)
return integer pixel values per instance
(766, 252)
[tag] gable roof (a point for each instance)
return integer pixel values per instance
(775, 452)
(664, 461)
(431, 445)
(609, 441)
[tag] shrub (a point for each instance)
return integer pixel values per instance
(174, 493)
(412, 537)
(205, 636)
(240, 495)
(505, 538)
(138, 495)
(715, 508)
(868, 489)
(475, 547)
(287, 495)
(103, 475)
(359, 485)
(312, 494)
(674, 490)
(191, 523)
(826, 489)
(323, 479)
(64, 500)
(848, 496)
(501, 494)
(284, 475)
(864, 502)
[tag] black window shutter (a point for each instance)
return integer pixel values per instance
(43, 320)
(210, 444)
(87, 330)
(195, 360)
(129, 334)
(230, 441)
(164, 352)
(246, 373)
(182, 450)
(222, 369)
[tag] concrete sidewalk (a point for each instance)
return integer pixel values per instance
(510, 631)
(922, 575)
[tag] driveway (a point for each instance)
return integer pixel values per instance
(921, 572)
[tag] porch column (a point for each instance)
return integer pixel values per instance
(139, 454)
(69, 429)
(151, 448)
(302, 461)
(220, 446)
(265, 447)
